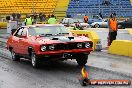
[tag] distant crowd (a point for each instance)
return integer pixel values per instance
(41, 17)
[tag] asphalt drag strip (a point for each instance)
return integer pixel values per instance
(58, 75)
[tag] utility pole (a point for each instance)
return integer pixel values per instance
(33, 6)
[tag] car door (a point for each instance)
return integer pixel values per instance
(15, 40)
(23, 42)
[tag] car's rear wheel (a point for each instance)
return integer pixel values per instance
(82, 59)
(15, 57)
(96, 25)
(34, 60)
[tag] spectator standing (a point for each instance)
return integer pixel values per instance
(48, 16)
(14, 16)
(44, 17)
(18, 16)
(41, 16)
(28, 20)
(52, 20)
(100, 14)
(85, 19)
(35, 17)
(113, 28)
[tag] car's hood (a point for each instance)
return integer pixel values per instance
(61, 39)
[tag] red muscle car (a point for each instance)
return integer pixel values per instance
(48, 43)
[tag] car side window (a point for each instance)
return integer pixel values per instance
(24, 32)
(19, 32)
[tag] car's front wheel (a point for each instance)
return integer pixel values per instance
(96, 25)
(82, 59)
(34, 60)
(14, 56)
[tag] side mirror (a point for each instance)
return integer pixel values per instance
(23, 36)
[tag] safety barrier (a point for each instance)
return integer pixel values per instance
(121, 47)
(3, 24)
(90, 34)
(103, 35)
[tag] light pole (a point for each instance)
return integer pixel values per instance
(33, 6)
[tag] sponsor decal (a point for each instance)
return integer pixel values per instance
(84, 80)
(86, 35)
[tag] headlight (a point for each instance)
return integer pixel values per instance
(43, 48)
(79, 45)
(51, 47)
(87, 45)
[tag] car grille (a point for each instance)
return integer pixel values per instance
(69, 46)
(66, 46)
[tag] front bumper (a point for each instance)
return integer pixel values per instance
(61, 52)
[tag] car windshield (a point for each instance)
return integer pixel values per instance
(48, 30)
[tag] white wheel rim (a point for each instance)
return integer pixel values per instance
(96, 25)
(33, 60)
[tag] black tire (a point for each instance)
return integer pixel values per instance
(96, 25)
(82, 59)
(34, 60)
(15, 57)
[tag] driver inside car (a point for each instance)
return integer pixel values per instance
(77, 27)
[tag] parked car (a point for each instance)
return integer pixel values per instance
(100, 24)
(95, 18)
(125, 24)
(48, 43)
(70, 22)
